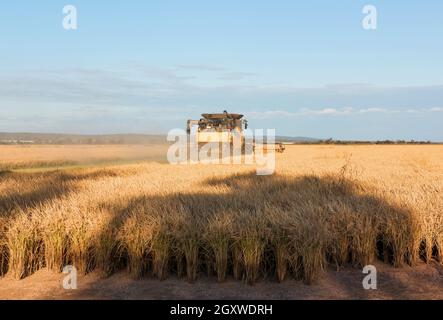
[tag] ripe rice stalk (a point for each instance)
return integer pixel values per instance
(341, 223)
(399, 235)
(179, 257)
(3, 246)
(237, 257)
(79, 250)
(3, 259)
(161, 250)
(81, 232)
(187, 236)
(251, 243)
(190, 249)
(24, 246)
(282, 258)
(364, 240)
(252, 249)
(428, 244)
(218, 237)
(136, 240)
(308, 241)
(279, 240)
(105, 247)
(55, 240)
(439, 247)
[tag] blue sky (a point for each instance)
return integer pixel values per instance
(306, 69)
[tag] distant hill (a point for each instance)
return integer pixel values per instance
(296, 139)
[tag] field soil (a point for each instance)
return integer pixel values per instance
(421, 282)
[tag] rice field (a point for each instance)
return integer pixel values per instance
(58, 156)
(325, 207)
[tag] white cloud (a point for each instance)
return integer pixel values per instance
(125, 96)
(324, 111)
(236, 76)
(337, 112)
(374, 110)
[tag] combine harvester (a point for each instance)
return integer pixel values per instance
(222, 127)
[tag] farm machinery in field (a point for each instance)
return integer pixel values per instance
(225, 128)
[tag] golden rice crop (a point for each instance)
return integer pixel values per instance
(325, 206)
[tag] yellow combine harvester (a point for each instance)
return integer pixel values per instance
(222, 127)
(218, 127)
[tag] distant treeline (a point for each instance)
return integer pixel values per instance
(332, 141)
(61, 139)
